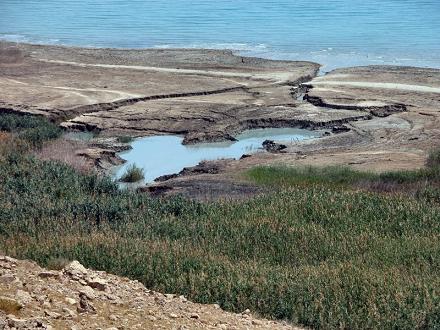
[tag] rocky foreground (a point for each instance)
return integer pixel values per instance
(32, 297)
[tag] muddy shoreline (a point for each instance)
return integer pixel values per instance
(382, 117)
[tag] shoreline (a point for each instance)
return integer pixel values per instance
(328, 61)
(379, 113)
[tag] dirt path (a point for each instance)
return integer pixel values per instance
(379, 85)
(276, 76)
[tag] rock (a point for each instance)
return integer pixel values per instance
(273, 147)
(52, 315)
(246, 312)
(46, 304)
(112, 317)
(10, 305)
(75, 269)
(194, 316)
(5, 279)
(69, 312)
(23, 297)
(8, 260)
(70, 301)
(85, 306)
(51, 274)
(97, 283)
(340, 129)
(173, 316)
(88, 292)
(152, 318)
(17, 323)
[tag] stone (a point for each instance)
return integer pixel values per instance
(69, 312)
(246, 312)
(97, 283)
(173, 316)
(23, 297)
(51, 274)
(70, 301)
(194, 316)
(273, 147)
(6, 279)
(88, 292)
(10, 305)
(8, 259)
(85, 306)
(14, 322)
(52, 315)
(75, 268)
(46, 304)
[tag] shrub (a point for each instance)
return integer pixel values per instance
(133, 174)
(124, 139)
(57, 263)
(32, 129)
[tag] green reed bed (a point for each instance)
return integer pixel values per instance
(315, 254)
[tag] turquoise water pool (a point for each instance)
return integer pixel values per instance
(160, 155)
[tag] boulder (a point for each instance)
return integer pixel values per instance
(75, 269)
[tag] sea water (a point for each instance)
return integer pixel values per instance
(336, 33)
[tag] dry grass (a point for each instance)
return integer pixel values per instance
(64, 151)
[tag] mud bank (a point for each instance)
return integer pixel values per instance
(386, 117)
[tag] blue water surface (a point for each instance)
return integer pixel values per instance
(333, 32)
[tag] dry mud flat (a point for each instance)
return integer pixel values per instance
(77, 298)
(391, 113)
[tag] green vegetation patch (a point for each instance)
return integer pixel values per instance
(124, 139)
(132, 174)
(32, 129)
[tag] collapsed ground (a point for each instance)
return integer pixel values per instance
(391, 112)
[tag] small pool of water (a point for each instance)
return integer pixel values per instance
(161, 155)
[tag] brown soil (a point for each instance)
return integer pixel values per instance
(77, 298)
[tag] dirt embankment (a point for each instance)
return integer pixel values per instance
(77, 298)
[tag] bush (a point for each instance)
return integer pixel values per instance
(124, 139)
(32, 129)
(133, 174)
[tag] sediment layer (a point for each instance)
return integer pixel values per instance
(390, 114)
